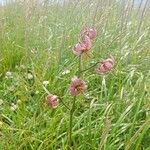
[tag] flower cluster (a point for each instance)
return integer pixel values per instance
(90, 32)
(85, 44)
(77, 85)
(106, 65)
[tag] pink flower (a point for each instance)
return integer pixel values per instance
(106, 65)
(77, 86)
(82, 47)
(90, 32)
(52, 100)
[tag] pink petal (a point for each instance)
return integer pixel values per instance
(105, 66)
(77, 86)
(52, 100)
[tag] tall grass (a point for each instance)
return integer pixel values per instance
(37, 38)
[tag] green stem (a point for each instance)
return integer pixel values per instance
(89, 123)
(64, 103)
(80, 66)
(90, 67)
(73, 106)
(71, 121)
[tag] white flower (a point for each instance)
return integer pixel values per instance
(9, 74)
(13, 107)
(29, 76)
(45, 83)
(18, 101)
(11, 88)
(12, 104)
(65, 72)
(22, 66)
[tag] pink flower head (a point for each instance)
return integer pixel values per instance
(82, 47)
(106, 65)
(52, 100)
(90, 32)
(77, 86)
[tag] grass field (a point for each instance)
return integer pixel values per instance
(36, 41)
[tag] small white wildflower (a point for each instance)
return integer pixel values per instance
(87, 96)
(18, 101)
(12, 104)
(11, 88)
(65, 72)
(45, 83)
(13, 108)
(1, 102)
(129, 23)
(91, 4)
(9, 74)
(29, 76)
(22, 66)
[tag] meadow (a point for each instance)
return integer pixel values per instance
(36, 58)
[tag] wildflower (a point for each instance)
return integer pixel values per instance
(77, 86)
(22, 67)
(90, 32)
(82, 47)
(18, 101)
(9, 74)
(13, 107)
(52, 100)
(106, 65)
(11, 88)
(65, 72)
(45, 83)
(29, 76)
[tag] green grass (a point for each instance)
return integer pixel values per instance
(114, 113)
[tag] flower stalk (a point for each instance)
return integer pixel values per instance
(80, 66)
(71, 121)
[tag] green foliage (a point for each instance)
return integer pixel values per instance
(38, 40)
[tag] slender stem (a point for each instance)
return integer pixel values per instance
(90, 67)
(45, 89)
(89, 123)
(73, 106)
(64, 103)
(71, 121)
(80, 66)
